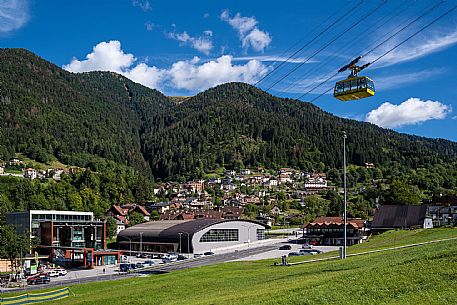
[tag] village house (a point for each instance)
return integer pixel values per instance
(245, 172)
(273, 182)
(330, 231)
(196, 186)
(285, 178)
(251, 200)
(276, 210)
(15, 161)
(369, 165)
(30, 173)
(160, 207)
(230, 173)
(443, 215)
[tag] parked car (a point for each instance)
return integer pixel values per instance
(61, 271)
(148, 263)
(285, 247)
(307, 246)
(309, 251)
(208, 253)
(293, 254)
(181, 257)
(38, 279)
(124, 267)
(140, 265)
(170, 257)
(53, 273)
(197, 255)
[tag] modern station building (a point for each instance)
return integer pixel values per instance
(70, 238)
(190, 236)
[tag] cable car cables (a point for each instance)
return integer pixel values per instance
(399, 9)
(329, 43)
(282, 55)
(392, 49)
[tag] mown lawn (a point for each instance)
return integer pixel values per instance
(420, 275)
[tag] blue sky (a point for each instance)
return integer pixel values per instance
(183, 47)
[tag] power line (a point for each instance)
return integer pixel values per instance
(309, 42)
(396, 46)
(342, 50)
(329, 43)
(295, 44)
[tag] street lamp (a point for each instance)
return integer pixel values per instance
(130, 243)
(345, 195)
(141, 243)
(180, 233)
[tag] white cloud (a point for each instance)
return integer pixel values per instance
(143, 4)
(149, 26)
(202, 43)
(273, 58)
(250, 34)
(192, 75)
(410, 112)
(416, 48)
(189, 75)
(13, 15)
(105, 56)
(256, 39)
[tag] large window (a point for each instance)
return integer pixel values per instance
(218, 235)
(260, 234)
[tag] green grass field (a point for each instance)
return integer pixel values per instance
(420, 275)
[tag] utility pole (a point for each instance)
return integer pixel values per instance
(345, 194)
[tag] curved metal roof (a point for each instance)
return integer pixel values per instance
(168, 230)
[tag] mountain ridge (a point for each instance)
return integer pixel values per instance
(75, 117)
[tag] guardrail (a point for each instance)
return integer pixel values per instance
(30, 298)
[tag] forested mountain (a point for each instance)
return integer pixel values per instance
(81, 119)
(47, 112)
(237, 124)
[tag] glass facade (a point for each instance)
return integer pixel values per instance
(60, 217)
(219, 235)
(261, 234)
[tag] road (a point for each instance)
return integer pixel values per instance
(96, 275)
(207, 260)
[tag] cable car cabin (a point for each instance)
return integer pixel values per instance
(354, 88)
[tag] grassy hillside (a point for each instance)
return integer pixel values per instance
(421, 275)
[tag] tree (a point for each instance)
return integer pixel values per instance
(111, 227)
(13, 246)
(136, 218)
(401, 193)
(155, 215)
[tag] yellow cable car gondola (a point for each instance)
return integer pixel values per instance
(354, 87)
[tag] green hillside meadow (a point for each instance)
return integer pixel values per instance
(419, 275)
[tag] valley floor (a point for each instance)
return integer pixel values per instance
(419, 275)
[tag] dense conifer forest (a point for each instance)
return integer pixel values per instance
(127, 136)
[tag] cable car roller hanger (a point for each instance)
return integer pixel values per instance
(354, 87)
